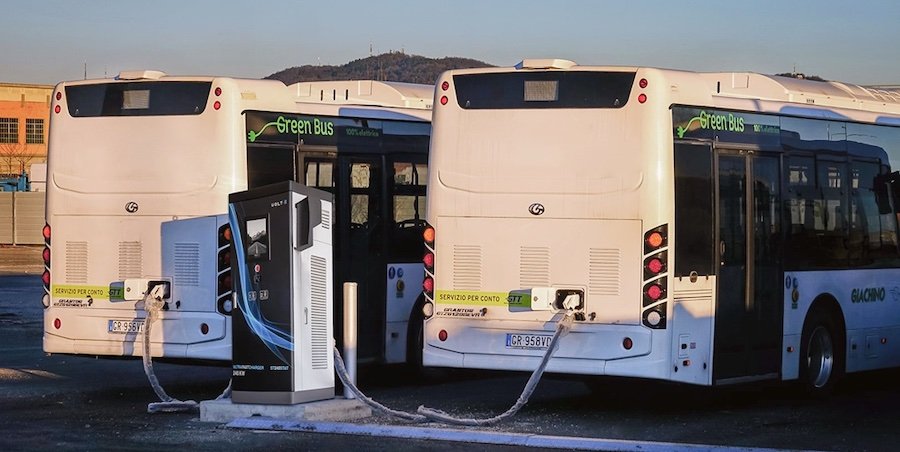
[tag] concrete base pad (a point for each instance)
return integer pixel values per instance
(334, 410)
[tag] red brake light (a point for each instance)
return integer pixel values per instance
(45, 278)
(204, 329)
(428, 284)
(642, 98)
(46, 232)
(654, 292)
(627, 343)
(442, 335)
(57, 109)
(444, 100)
(58, 95)
(46, 256)
(57, 323)
(218, 91)
(655, 265)
(445, 86)
(643, 83)
(428, 260)
(217, 105)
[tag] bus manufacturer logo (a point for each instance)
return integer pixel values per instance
(131, 207)
(536, 208)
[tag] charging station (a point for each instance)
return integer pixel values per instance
(283, 292)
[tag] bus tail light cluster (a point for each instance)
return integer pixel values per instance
(656, 265)
(642, 98)
(224, 301)
(218, 92)
(57, 108)
(45, 277)
(445, 85)
(428, 260)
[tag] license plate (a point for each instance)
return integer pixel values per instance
(528, 341)
(126, 326)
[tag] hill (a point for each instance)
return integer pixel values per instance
(394, 66)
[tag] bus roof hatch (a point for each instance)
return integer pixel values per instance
(545, 63)
(140, 75)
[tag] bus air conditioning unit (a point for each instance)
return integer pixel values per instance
(282, 270)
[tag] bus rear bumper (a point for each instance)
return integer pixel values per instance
(182, 335)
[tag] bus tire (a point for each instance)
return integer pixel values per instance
(821, 354)
(414, 341)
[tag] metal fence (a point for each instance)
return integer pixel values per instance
(21, 218)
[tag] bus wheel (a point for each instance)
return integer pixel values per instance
(414, 341)
(821, 355)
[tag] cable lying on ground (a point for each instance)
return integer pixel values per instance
(425, 414)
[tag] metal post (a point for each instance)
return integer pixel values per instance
(350, 334)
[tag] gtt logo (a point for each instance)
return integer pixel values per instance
(131, 207)
(536, 208)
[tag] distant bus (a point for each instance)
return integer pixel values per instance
(711, 228)
(139, 173)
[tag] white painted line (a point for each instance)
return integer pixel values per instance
(476, 436)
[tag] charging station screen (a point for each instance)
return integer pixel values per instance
(258, 245)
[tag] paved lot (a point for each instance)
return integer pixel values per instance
(78, 403)
(22, 259)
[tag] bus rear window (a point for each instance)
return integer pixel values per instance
(543, 90)
(137, 99)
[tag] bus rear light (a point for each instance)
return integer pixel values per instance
(444, 100)
(428, 309)
(442, 335)
(428, 260)
(428, 235)
(45, 278)
(654, 292)
(217, 105)
(627, 343)
(428, 284)
(445, 85)
(59, 95)
(46, 255)
(57, 109)
(224, 302)
(218, 91)
(642, 98)
(45, 300)
(655, 238)
(655, 318)
(225, 283)
(643, 83)
(57, 323)
(204, 329)
(46, 233)
(655, 265)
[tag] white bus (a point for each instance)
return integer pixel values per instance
(713, 227)
(140, 168)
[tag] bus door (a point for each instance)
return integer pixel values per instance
(404, 248)
(361, 233)
(748, 319)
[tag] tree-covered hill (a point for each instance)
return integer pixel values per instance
(394, 66)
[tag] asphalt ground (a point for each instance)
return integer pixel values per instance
(21, 260)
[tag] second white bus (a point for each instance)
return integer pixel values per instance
(713, 227)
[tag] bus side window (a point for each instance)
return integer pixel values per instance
(408, 192)
(320, 174)
(880, 194)
(802, 246)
